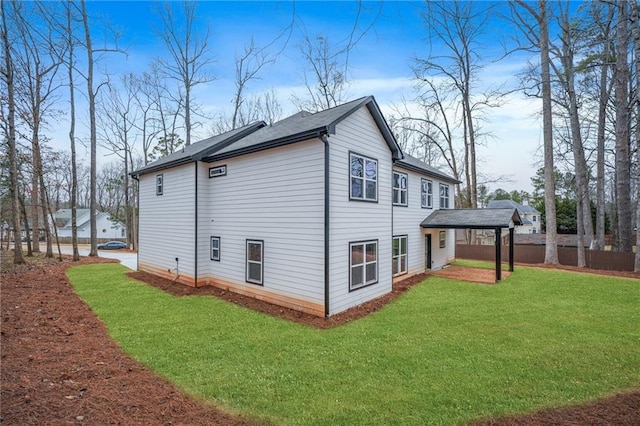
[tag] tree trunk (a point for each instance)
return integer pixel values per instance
(24, 217)
(72, 140)
(92, 124)
(18, 258)
(600, 172)
(551, 244)
(623, 165)
(635, 31)
(35, 215)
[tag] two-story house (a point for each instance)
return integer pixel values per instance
(318, 212)
(529, 216)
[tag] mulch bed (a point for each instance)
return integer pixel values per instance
(59, 365)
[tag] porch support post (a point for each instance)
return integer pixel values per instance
(511, 249)
(498, 254)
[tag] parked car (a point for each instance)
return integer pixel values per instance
(112, 245)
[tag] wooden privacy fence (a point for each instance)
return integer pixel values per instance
(595, 259)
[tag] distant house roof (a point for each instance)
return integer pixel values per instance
(258, 136)
(63, 217)
(412, 163)
(510, 204)
(472, 218)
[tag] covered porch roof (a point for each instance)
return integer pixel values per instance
(496, 219)
(472, 219)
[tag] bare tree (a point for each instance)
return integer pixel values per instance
(623, 166)
(635, 32)
(188, 51)
(537, 34)
(459, 27)
(72, 129)
(8, 80)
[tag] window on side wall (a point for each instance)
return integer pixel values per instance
(444, 196)
(400, 188)
(363, 264)
(255, 264)
(159, 184)
(215, 248)
(363, 183)
(427, 194)
(399, 255)
(443, 239)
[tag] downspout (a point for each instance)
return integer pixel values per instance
(137, 237)
(325, 140)
(195, 257)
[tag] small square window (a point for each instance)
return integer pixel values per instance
(215, 248)
(159, 184)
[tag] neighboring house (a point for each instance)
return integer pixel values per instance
(530, 217)
(318, 212)
(108, 227)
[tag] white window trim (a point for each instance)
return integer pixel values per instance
(448, 197)
(159, 184)
(363, 178)
(363, 265)
(261, 262)
(216, 258)
(442, 241)
(429, 198)
(397, 258)
(399, 191)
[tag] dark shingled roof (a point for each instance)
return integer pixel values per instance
(472, 218)
(199, 149)
(413, 164)
(258, 136)
(303, 126)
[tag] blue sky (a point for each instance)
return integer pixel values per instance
(380, 64)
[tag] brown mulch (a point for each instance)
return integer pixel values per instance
(59, 365)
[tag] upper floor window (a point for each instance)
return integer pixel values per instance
(444, 196)
(217, 171)
(159, 184)
(534, 218)
(427, 194)
(400, 188)
(364, 178)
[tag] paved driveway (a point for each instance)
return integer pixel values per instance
(126, 258)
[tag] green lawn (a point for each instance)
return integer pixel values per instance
(446, 352)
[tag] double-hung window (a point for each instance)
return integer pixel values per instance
(400, 255)
(255, 264)
(159, 184)
(443, 239)
(444, 196)
(363, 183)
(427, 194)
(363, 264)
(400, 188)
(215, 248)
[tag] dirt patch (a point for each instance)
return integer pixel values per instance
(466, 273)
(285, 313)
(59, 365)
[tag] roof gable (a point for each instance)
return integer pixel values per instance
(501, 204)
(411, 163)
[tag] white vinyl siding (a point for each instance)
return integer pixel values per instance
(276, 196)
(399, 189)
(167, 228)
(358, 221)
(406, 221)
(399, 259)
(426, 193)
